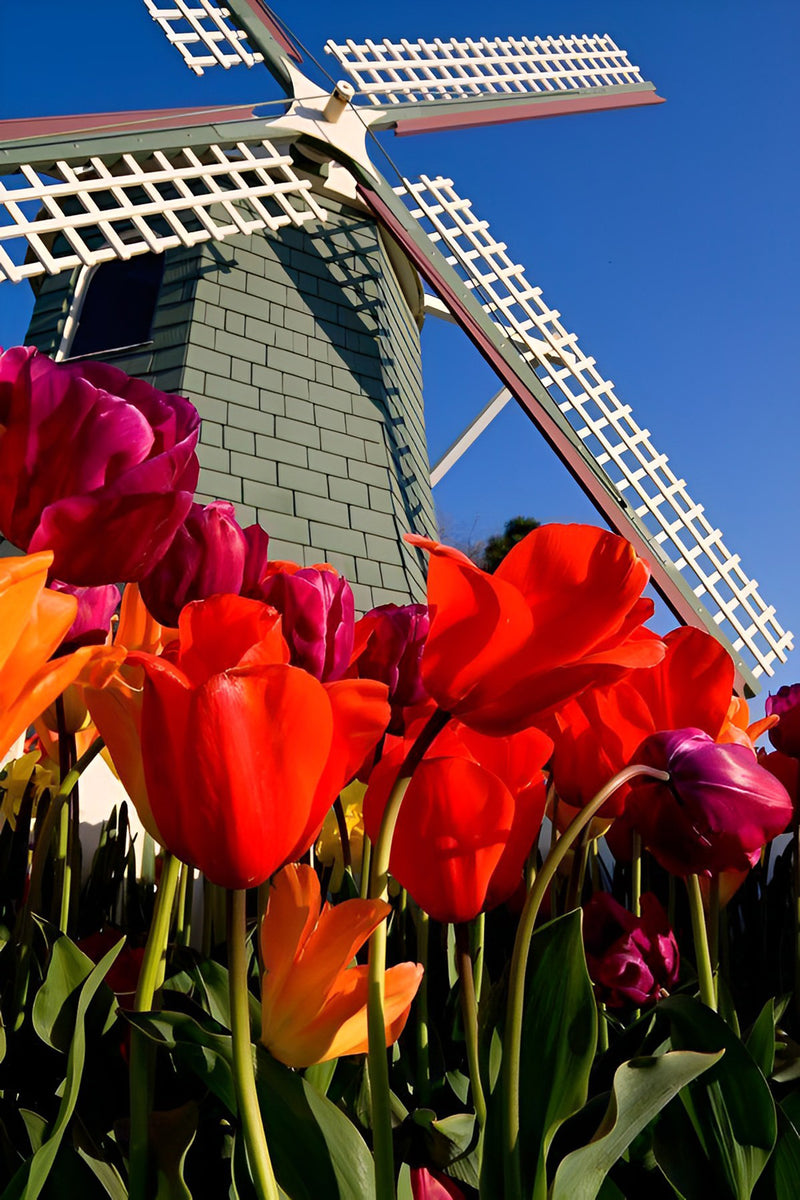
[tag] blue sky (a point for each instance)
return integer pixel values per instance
(667, 237)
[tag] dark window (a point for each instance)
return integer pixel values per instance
(119, 305)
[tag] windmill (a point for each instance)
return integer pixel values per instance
(193, 183)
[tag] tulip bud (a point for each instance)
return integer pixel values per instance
(318, 613)
(393, 638)
(206, 558)
(630, 959)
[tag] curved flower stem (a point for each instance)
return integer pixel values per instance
(705, 973)
(151, 977)
(376, 1025)
(469, 1014)
(344, 836)
(244, 1080)
(519, 963)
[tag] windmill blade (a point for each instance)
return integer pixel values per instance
(576, 408)
(242, 33)
(128, 195)
(423, 86)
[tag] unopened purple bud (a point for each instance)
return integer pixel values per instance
(318, 616)
(630, 959)
(206, 558)
(393, 637)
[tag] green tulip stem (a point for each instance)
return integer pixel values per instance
(478, 943)
(64, 865)
(512, 1048)
(423, 1089)
(366, 858)
(243, 1075)
(602, 1028)
(636, 874)
(44, 835)
(469, 1015)
(151, 977)
(705, 972)
(376, 1025)
(713, 923)
(344, 836)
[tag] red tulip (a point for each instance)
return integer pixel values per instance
(433, 1185)
(563, 611)
(630, 959)
(244, 754)
(600, 730)
(718, 809)
(468, 820)
(94, 466)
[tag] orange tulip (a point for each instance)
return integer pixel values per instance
(34, 621)
(313, 1002)
(114, 698)
(563, 612)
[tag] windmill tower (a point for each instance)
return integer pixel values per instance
(288, 311)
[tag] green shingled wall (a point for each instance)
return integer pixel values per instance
(303, 360)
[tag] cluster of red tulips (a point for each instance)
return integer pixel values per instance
(518, 747)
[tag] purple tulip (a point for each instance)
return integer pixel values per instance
(206, 558)
(95, 466)
(785, 736)
(318, 613)
(630, 959)
(718, 809)
(96, 607)
(393, 638)
(255, 560)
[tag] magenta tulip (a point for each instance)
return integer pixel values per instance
(96, 607)
(206, 558)
(785, 736)
(389, 644)
(718, 809)
(630, 959)
(94, 466)
(318, 613)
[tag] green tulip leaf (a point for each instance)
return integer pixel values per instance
(171, 1134)
(315, 1150)
(56, 1001)
(780, 1179)
(641, 1089)
(559, 1036)
(716, 1137)
(32, 1176)
(761, 1039)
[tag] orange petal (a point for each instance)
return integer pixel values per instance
(292, 912)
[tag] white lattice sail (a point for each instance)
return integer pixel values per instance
(79, 214)
(396, 72)
(606, 427)
(203, 34)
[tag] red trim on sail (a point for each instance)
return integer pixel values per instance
(503, 114)
(86, 124)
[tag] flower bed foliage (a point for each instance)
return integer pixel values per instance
(475, 898)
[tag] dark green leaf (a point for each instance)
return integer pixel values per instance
(782, 1175)
(761, 1039)
(33, 1176)
(716, 1137)
(641, 1089)
(171, 1135)
(56, 1002)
